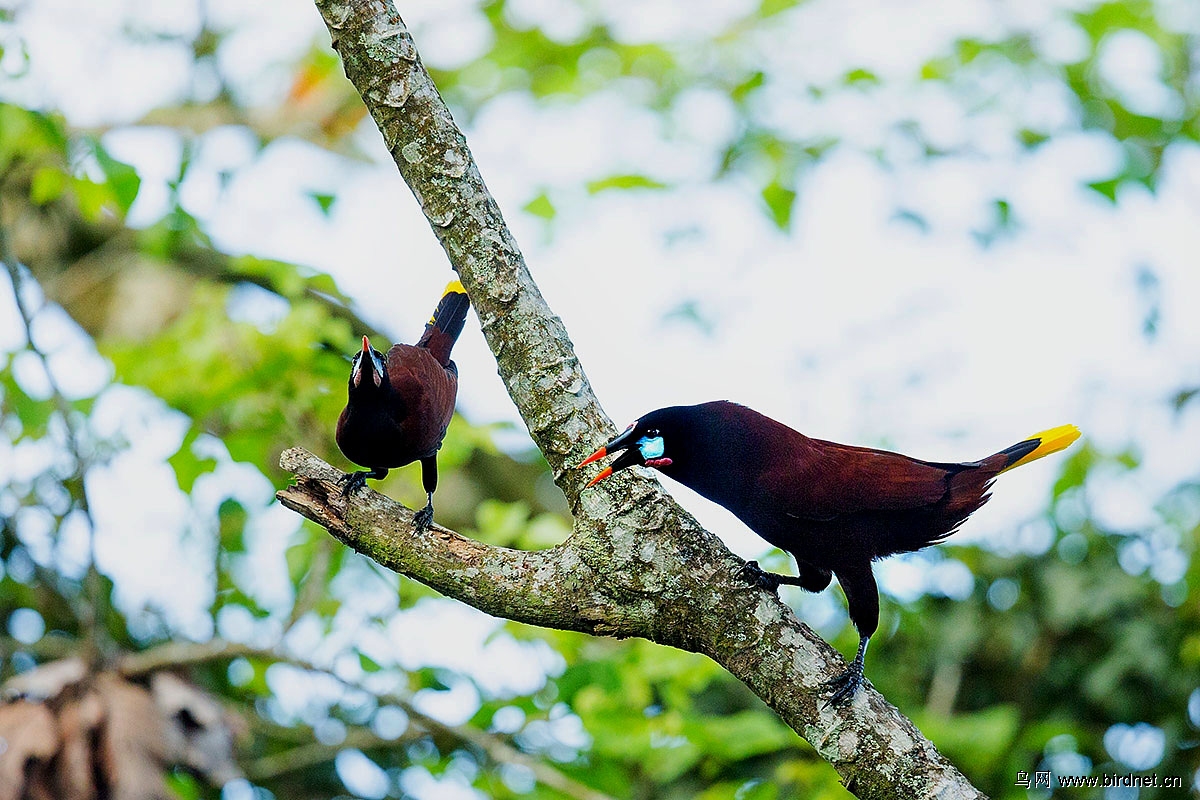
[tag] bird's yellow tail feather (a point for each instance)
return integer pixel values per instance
(1041, 444)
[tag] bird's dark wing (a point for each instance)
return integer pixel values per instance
(427, 390)
(825, 480)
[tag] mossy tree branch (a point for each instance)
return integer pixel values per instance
(636, 564)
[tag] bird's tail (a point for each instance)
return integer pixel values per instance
(443, 328)
(1038, 445)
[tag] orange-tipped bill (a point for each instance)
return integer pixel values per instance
(601, 475)
(369, 358)
(627, 456)
(596, 456)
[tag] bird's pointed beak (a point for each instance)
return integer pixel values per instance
(626, 459)
(601, 475)
(596, 456)
(370, 358)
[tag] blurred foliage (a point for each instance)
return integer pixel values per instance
(1009, 76)
(1076, 652)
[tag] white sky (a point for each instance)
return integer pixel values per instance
(853, 327)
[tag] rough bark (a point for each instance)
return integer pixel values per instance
(636, 563)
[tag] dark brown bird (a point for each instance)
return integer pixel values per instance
(399, 407)
(834, 507)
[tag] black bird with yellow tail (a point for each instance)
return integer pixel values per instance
(836, 508)
(400, 405)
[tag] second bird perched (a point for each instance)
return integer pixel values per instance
(399, 406)
(836, 508)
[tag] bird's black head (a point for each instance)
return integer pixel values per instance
(367, 363)
(657, 440)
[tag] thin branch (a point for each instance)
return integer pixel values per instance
(309, 755)
(181, 654)
(91, 253)
(173, 655)
(47, 648)
(93, 583)
(196, 259)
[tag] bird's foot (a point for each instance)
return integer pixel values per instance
(759, 577)
(844, 685)
(423, 519)
(353, 481)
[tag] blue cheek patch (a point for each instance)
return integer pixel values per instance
(651, 448)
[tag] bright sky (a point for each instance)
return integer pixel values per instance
(854, 326)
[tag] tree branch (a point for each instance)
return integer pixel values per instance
(179, 654)
(637, 564)
(306, 756)
(485, 577)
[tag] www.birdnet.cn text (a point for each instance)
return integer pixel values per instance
(1048, 780)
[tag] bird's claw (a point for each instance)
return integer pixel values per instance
(423, 519)
(844, 685)
(352, 482)
(759, 577)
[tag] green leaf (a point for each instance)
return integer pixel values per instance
(912, 218)
(1184, 396)
(501, 523)
(368, 664)
(743, 735)
(1107, 189)
(860, 76)
(183, 786)
(780, 200)
(33, 414)
(324, 201)
(94, 198)
(298, 558)
(188, 467)
(122, 179)
(232, 517)
(624, 182)
(48, 184)
(30, 135)
(746, 87)
(984, 736)
(969, 50)
(541, 206)
(1030, 138)
(1003, 210)
(1075, 469)
(938, 69)
(769, 8)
